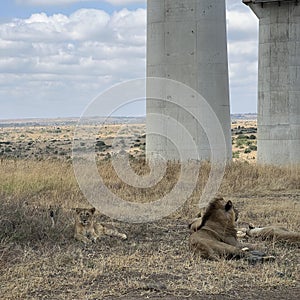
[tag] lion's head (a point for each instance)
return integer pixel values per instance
(85, 216)
(218, 211)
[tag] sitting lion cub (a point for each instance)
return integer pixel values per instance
(87, 230)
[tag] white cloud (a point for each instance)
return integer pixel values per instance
(81, 25)
(66, 60)
(242, 24)
(242, 27)
(62, 59)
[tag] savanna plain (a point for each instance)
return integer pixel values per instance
(39, 258)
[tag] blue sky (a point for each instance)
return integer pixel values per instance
(57, 55)
(23, 9)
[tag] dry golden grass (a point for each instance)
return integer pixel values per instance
(41, 262)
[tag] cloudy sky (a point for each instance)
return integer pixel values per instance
(57, 55)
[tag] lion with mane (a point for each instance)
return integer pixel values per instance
(215, 235)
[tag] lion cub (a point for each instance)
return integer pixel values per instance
(87, 230)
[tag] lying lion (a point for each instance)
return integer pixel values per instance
(87, 230)
(215, 235)
(274, 233)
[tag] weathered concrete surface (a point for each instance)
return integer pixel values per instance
(278, 82)
(187, 43)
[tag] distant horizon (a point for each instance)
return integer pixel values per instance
(107, 117)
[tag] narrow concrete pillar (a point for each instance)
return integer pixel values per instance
(186, 42)
(278, 81)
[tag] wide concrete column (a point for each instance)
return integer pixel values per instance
(278, 81)
(186, 42)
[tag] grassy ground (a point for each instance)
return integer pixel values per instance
(41, 262)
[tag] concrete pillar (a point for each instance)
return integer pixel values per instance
(278, 81)
(186, 42)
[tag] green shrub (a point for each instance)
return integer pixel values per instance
(247, 150)
(236, 154)
(242, 137)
